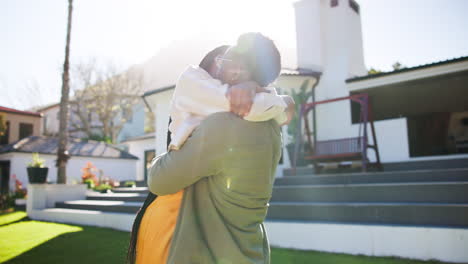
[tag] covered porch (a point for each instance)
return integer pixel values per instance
(433, 99)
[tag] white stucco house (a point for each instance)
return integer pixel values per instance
(330, 55)
(114, 163)
(420, 114)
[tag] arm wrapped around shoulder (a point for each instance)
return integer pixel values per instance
(267, 106)
(200, 157)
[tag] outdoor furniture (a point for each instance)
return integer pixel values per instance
(338, 150)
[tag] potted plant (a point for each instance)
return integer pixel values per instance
(89, 183)
(37, 171)
(131, 184)
(103, 188)
(301, 97)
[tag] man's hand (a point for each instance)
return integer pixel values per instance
(241, 97)
(290, 109)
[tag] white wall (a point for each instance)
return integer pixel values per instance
(136, 125)
(329, 38)
(42, 199)
(445, 244)
(138, 148)
(309, 34)
(160, 104)
(42, 196)
(51, 125)
(392, 139)
(117, 169)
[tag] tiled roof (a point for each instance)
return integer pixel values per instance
(145, 136)
(158, 90)
(43, 108)
(19, 112)
(75, 147)
(438, 63)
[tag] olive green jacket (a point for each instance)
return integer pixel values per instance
(227, 168)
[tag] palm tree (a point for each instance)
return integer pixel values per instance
(62, 154)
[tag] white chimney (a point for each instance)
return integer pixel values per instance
(329, 37)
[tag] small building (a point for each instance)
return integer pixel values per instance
(110, 161)
(137, 125)
(19, 124)
(50, 119)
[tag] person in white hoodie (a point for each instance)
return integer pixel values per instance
(198, 93)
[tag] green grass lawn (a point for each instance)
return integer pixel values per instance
(289, 256)
(25, 241)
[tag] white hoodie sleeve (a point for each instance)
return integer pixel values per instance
(200, 94)
(267, 106)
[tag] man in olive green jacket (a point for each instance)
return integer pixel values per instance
(227, 168)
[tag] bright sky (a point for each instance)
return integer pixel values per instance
(129, 32)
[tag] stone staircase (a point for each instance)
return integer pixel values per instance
(121, 200)
(414, 210)
(434, 197)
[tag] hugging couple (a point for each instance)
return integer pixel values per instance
(209, 193)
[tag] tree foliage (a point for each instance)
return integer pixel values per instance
(103, 99)
(398, 66)
(300, 97)
(373, 71)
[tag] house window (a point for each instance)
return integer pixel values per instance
(334, 3)
(25, 130)
(149, 156)
(4, 137)
(44, 125)
(127, 114)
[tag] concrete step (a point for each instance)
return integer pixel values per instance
(115, 220)
(436, 164)
(445, 175)
(143, 190)
(122, 196)
(137, 183)
(80, 211)
(141, 184)
(101, 205)
(438, 192)
(414, 214)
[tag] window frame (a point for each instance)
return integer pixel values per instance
(22, 125)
